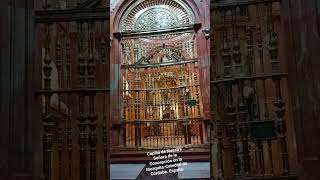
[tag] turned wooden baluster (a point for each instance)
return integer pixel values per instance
(270, 156)
(68, 61)
(281, 126)
(213, 55)
(225, 50)
(92, 143)
(59, 58)
(215, 131)
(137, 130)
(261, 169)
(272, 41)
(235, 149)
(69, 147)
(82, 137)
(48, 126)
(91, 66)
(60, 146)
(92, 136)
(105, 146)
(59, 63)
(82, 114)
(47, 147)
(47, 120)
(103, 49)
(244, 131)
(250, 54)
(82, 59)
(82, 144)
(219, 124)
(220, 146)
(236, 48)
(124, 135)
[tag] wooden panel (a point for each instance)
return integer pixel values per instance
(301, 32)
(20, 143)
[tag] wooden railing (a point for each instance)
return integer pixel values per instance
(250, 126)
(162, 133)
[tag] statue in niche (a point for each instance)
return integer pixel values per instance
(166, 113)
(186, 93)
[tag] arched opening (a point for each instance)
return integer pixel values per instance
(159, 49)
(160, 76)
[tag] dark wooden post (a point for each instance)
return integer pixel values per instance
(301, 50)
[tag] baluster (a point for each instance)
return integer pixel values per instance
(140, 133)
(92, 143)
(82, 137)
(47, 150)
(69, 147)
(150, 134)
(58, 58)
(260, 50)
(68, 63)
(201, 132)
(92, 136)
(82, 143)
(47, 144)
(281, 126)
(157, 132)
(244, 130)
(105, 145)
(162, 138)
(103, 49)
(60, 144)
(250, 51)
(124, 131)
(81, 50)
(272, 41)
(236, 53)
(235, 149)
(47, 120)
(171, 133)
(188, 132)
(213, 54)
(136, 141)
(185, 132)
(270, 156)
(245, 146)
(261, 168)
(220, 146)
(226, 56)
(219, 131)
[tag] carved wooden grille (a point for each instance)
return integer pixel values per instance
(157, 90)
(75, 90)
(248, 90)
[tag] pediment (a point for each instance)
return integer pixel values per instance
(163, 54)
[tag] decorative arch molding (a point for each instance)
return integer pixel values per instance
(123, 6)
(156, 14)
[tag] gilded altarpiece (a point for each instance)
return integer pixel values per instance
(156, 45)
(161, 89)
